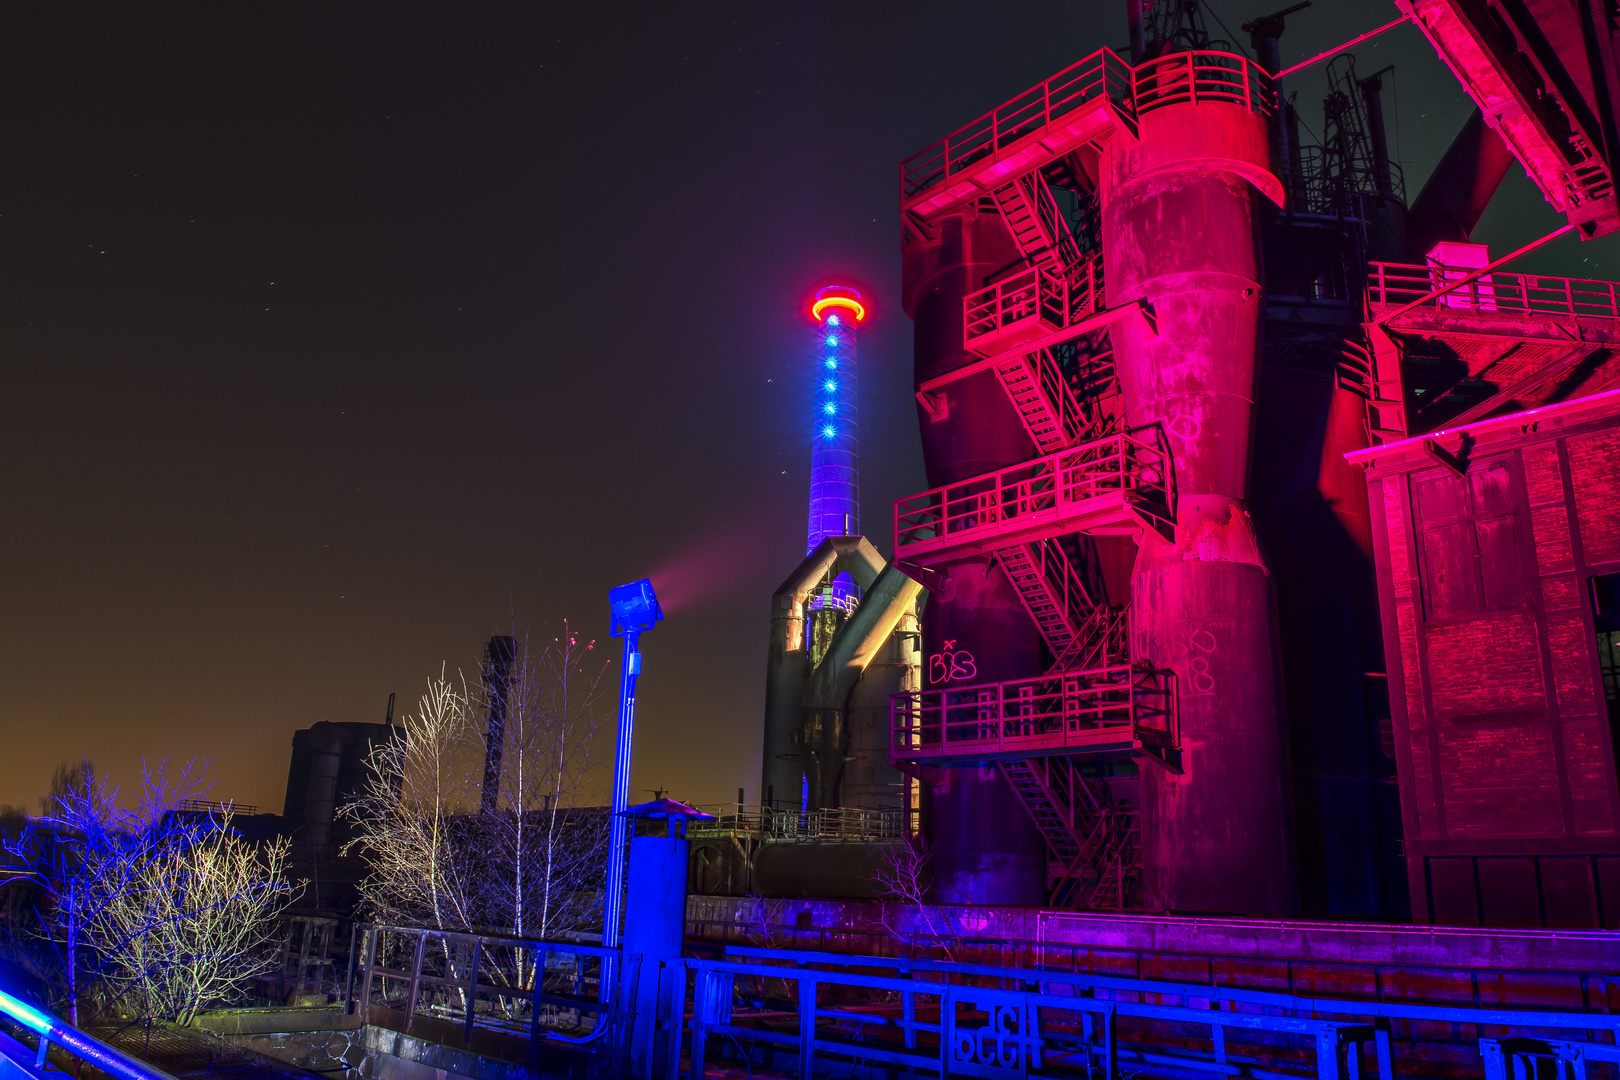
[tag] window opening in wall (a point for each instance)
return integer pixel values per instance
(1606, 621)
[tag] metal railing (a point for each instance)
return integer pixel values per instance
(1392, 284)
(1195, 77)
(1037, 302)
(972, 1019)
(831, 823)
(49, 1032)
(519, 986)
(1132, 469)
(944, 1026)
(1102, 74)
(1065, 712)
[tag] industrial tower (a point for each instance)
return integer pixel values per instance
(1150, 326)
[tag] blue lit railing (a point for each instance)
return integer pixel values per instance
(87, 1048)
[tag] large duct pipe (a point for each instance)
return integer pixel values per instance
(986, 850)
(825, 739)
(787, 661)
(1456, 194)
(1181, 217)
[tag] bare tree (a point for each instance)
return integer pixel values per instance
(904, 875)
(119, 880)
(195, 922)
(550, 847)
(412, 816)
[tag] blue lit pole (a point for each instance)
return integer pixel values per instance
(634, 610)
(835, 507)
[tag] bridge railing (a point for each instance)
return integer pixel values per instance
(955, 1018)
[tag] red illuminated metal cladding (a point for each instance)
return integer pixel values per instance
(1129, 473)
(1110, 706)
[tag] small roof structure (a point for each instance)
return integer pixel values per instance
(665, 809)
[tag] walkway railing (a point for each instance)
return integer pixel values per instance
(1496, 293)
(1102, 74)
(1194, 77)
(833, 823)
(1072, 712)
(514, 985)
(1037, 303)
(1117, 480)
(1172, 80)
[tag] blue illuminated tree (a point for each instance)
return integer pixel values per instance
(159, 904)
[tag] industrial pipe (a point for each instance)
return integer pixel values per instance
(825, 737)
(787, 660)
(1457, 192)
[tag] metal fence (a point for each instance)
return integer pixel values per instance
(767, 823)
(836, 1014)
(1495, 293)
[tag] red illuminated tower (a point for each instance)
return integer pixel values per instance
(1090, 448)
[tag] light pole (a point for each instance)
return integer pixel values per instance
(634, 610)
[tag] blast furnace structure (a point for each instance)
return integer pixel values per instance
(1153, 669)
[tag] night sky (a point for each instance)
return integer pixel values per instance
(339, 337)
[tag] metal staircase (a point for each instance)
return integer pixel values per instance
(1094, 845)
(1046, 405)
(1037, 225)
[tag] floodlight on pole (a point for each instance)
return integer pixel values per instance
(634, 610)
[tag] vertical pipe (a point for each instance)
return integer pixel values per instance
(499, 656)
(986, 849)
(834, 446)
(618, 825)
(1181, 217)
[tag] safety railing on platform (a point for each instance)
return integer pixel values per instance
(1194, 77)
(1496, 293)
(19, 1060)
(851, 1009)
(519, 986)
(1102, 74)
(831, 823)
(1035, 303)
(1068, 712)
(1130, 473)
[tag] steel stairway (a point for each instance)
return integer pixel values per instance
(1091, 841)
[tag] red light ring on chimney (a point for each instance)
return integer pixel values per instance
(838, 296)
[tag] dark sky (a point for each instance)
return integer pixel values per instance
(338, 337)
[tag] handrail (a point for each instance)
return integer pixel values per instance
(1201, 76)
(1042, 713)
(1204, 76)
(1102, 74)
(1214, 994)
(1040, 300)
(1134, 466)
(87, 1048)
(1024, 1025)
(1496, 293)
